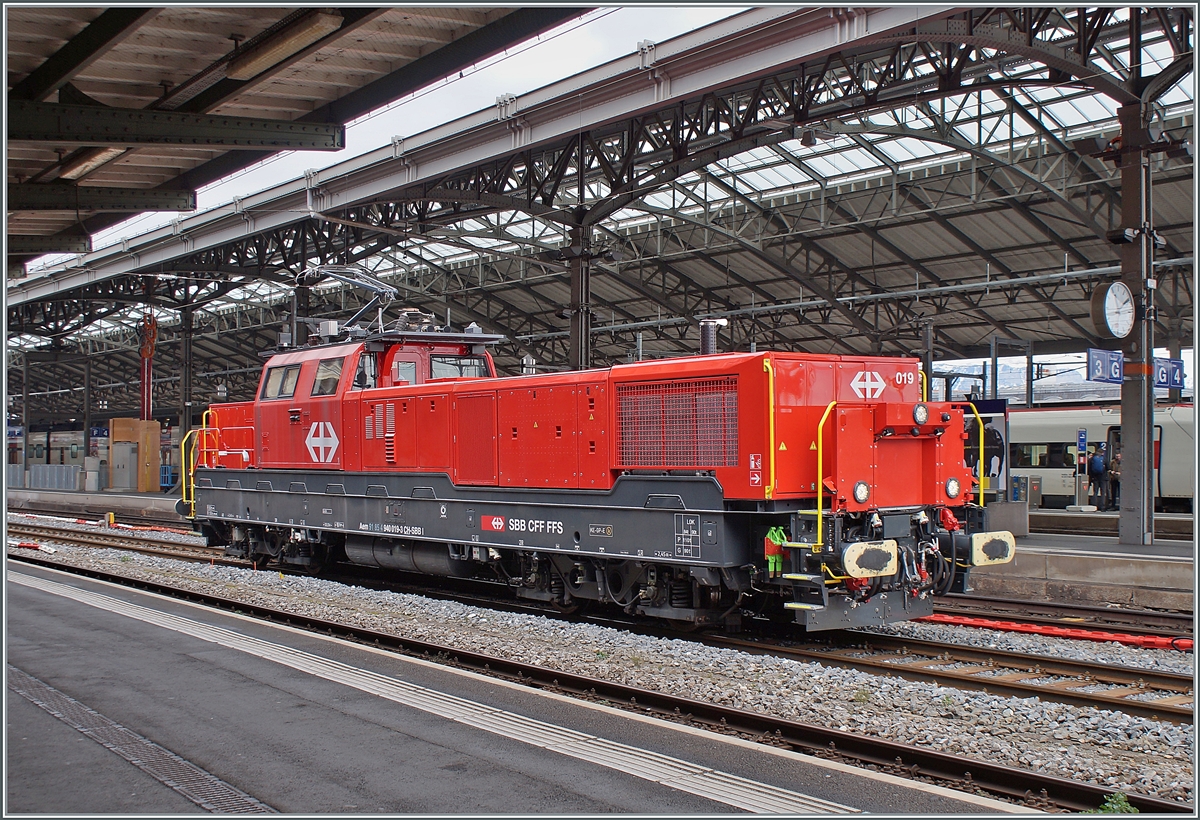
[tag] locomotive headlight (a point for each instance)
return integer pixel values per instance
(920, 413)
(953, 488)
(862, 491)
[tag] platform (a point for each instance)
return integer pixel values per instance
(313, 724)
(1175, 526)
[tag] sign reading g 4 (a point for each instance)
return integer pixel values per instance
(867, 384)
(322, 442)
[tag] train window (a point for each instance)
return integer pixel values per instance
(457, 367)
(404, 372)
(1028, 455)
(329, 373)
(281, 382)
(365, 376)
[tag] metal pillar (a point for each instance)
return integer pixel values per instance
(580, 355)
(927, 359)
(87, 407)
(1029, 375)
(25, 417)
(1137, 391)
(148, 331)
(995, 370)
(185, 372)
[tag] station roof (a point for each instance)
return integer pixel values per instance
(977, 198)
(168, 99)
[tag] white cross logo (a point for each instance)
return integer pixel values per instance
(868, 384)
(322, 442)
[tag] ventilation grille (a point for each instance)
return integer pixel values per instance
(389, 443)
(678, 423)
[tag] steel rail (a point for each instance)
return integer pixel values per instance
(1132, 621)
(975, 776)
(993, 671)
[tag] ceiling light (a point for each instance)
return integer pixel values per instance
(278, 47)
(88, 161)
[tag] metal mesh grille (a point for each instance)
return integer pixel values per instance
(678, 423)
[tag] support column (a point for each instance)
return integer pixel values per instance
(927, 359)
(1029, 374)
(185, 372)
(580, 354)
(25, 417)
(87, 407)
(1137, 391)
(995, 370)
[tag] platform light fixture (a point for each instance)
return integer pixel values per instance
(278, 47)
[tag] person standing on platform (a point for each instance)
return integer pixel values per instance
(1097, 470)
(1114, 482)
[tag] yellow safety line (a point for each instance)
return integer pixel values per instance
(820, 476)
(770, 423)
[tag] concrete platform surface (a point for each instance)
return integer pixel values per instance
(311, 724)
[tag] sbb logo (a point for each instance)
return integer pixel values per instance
(495, 523)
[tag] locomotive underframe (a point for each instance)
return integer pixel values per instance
(665, 546)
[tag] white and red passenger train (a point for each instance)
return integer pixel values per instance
(695, 489)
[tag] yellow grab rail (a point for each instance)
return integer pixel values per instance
(187, 460)
(924, 386)
(979, 420)
(770, 425)
(821, 475)
(189, 472)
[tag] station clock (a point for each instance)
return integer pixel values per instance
(1113, 310)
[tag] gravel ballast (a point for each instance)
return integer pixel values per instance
(1108, 748)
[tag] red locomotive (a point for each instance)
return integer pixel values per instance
(694, 489)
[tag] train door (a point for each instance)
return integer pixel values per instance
(276, 412)
(317, 440)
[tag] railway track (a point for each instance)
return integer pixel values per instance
(1167, 696)
(1145, 693)
(1130, 621)
(125, 540)
(1028, 788)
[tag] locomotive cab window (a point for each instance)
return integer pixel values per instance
(281, 382)
(364, 377)
(404, 372)
(458, 367)
(329, 373)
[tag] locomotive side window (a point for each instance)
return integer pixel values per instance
(281, 382)
(457, 367)
(404, 372)
(364, 377)
(329, 373)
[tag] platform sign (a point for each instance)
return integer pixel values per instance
(1106, 366)
(1081, 451)
(1168, 373)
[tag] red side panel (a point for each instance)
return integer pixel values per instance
(854, 453)
(433, 431)
(476, 439)
(593, 414)
(538, 436)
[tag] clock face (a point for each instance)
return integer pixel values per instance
(1119, 309)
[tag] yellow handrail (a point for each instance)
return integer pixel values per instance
(821, 477)
(979, 420)
(189, 472)
(924, 386)
(770, 425)
(188, 460)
